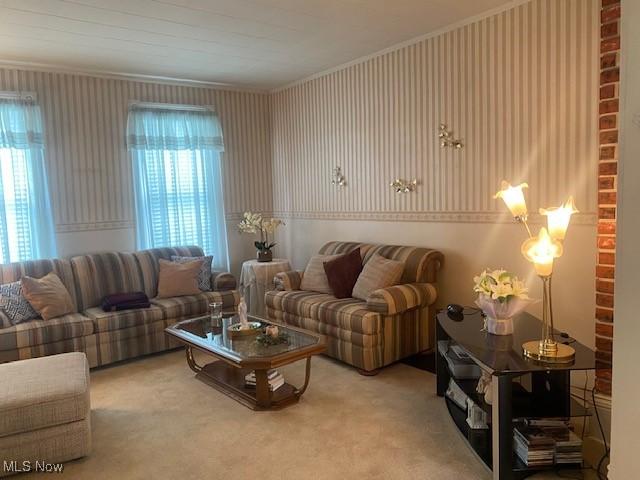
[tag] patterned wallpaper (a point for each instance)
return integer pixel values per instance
(89, 168)
(519, 88)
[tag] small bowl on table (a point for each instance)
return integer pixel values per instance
(235, 330)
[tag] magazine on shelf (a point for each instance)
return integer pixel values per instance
(546, 441)
(275, 379)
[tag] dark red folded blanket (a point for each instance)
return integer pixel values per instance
(125, 301)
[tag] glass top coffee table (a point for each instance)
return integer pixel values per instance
(239, 356)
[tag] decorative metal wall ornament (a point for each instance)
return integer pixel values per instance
(404, 186)
(338, 179)
(446, 138)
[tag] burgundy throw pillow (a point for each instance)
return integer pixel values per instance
(343, 273)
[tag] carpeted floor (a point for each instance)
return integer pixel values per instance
(152, 419)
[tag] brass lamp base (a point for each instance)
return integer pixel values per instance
(536, 351)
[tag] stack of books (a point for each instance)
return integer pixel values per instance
(533, 446)
(568, 445)
(275, 378)
(568, 448)
(547, 441)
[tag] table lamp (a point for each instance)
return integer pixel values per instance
(542, 250)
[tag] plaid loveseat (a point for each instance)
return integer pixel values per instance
(108, 337)
(393, 323)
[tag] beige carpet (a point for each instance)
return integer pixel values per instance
(152, 419)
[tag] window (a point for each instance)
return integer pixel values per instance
(177, 179)
(26, 223)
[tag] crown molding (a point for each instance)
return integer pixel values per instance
(475, 18)
(96, 73)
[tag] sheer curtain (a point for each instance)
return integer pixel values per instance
(26, 222)
(177, 178)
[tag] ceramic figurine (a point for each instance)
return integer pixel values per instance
(272, 331)
(242, 314)
(484, 387)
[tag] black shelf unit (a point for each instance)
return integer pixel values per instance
(547, 393)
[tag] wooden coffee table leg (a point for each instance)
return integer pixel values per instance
(307, 377)
(191, 361)
(263, 394)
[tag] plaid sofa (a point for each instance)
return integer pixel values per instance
(108, 337)
(391, 324)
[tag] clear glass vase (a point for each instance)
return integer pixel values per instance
(215, 314)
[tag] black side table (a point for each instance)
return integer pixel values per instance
(546, 393)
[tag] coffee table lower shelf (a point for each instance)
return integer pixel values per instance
(230, 380)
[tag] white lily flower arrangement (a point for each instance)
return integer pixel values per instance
(501, 296)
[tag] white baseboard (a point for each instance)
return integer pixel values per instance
(593, 447)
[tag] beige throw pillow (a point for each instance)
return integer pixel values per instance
(48, 296)
(315, 278)
(178, 279)
(378, 272)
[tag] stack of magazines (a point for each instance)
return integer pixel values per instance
(533, 446)
(275, 378)
(547, 441)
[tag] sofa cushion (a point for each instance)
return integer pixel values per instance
(347, 313)
(36, 332)
(193, 305)
(43, 392)
(315, 278)
(379, 272)
(204, 277)
(101, 274)
(107, 321)
(178, 279)
(350, 336)
(12, 272)
(77, 344)
(343, 273)
(48, 296)
(148, 262)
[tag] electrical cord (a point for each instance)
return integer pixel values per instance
(473, 311)
(604, 439)
(580, 475)
(584, 403)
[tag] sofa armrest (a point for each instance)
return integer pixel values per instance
(223, 281)
(285, 281)
(400, 298)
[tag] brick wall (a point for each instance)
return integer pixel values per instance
(607, 186)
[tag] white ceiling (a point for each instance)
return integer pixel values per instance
(253, 43)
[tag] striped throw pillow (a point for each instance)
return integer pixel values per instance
(378, 272)
(314, 278)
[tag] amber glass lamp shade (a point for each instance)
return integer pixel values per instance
(513, 197)
(558, 218)
(541, 251)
